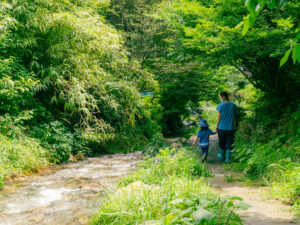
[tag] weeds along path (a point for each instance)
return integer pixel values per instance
(69, 194)
(263, 211)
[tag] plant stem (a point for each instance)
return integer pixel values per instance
(220, 213)
(229, 216)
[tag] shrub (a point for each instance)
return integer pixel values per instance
(156, 143)
(169, 162)
(166, 190)
(21, 155)
(56, 138)
(269, 152)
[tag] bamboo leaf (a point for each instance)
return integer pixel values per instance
(285, 57)
(245, 27)
(296, 53)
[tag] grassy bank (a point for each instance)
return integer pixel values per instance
(168, 189)
(20, 156)
(268, 152)
(272, 159)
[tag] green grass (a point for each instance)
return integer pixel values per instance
(20, 156)
(184, 163)
(168, 189)
(270, 157)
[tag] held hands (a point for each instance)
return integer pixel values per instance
(216, 130)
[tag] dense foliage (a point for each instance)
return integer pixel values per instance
(268, 151)
(72, 73)
(71, 63)
(67, 81)
(168, 189)
(215, 34)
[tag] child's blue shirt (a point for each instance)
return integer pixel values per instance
(203, 136)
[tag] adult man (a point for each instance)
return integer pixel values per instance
(226, 125)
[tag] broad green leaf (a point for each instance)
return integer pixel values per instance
(201, 215)
(242, 205)
(251, 6)
(245, 27)
(182, 202)
(281, 4)
(297, 37)
(169, 218)
(272, 4)
(230, 204)
(187, 221)
(239, 25)
(208, 203)
(252, 19)
(296, 53)
(285, 57)
(186, 212)
(229, 197)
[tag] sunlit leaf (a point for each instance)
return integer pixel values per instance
(245, 27)
(285, 57)
(201, 215)
(296, 53)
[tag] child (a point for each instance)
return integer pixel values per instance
(203, 137)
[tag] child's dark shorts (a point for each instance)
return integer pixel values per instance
(204, 150)
(226, 139)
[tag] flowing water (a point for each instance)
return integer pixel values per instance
(68, 195)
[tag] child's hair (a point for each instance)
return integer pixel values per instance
(204, 128)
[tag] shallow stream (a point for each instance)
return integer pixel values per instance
(70, 194)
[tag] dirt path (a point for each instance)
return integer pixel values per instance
(262, 212)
